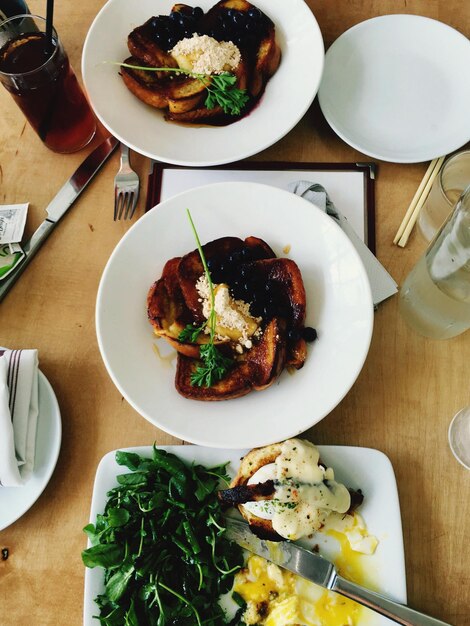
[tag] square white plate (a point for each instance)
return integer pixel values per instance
(359, 468)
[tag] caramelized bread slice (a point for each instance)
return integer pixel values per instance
(258, 369)
(268, 58)
(142, 45)
(249, 465)
(284, 275)
(179, 93)
(167, 310)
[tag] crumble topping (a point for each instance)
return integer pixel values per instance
(205, 55)
(233, 318)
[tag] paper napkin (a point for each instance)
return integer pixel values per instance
(382, 284)
(18, 415)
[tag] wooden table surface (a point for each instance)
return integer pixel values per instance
(402, 402)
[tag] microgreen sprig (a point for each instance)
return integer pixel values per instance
(214, 364)
(221, 90)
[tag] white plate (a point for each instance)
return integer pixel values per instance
(15, 501)
(288, 95)
(397, 88)
(339, 305)
(360, 468)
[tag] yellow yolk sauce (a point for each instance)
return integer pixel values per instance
(277, 597)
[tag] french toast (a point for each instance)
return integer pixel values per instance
(266, 291)
(183, 97)
(243, 489)
(256, 370)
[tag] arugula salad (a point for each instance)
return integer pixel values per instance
(161, 543)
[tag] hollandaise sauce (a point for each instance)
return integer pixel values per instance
(306, 493)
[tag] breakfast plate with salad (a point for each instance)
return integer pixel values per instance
(202, 84)
(263, 385)
(144, 496)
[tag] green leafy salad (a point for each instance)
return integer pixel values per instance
(161, 543)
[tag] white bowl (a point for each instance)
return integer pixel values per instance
(288, 95)
(339, 306)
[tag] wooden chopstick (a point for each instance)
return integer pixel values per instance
(411, 215)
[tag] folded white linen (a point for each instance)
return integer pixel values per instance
(18, 415)
(382, 284)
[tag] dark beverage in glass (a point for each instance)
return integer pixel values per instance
(38, 75)
(9, 8)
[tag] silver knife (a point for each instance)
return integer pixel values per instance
(322, 572)
(59, 206)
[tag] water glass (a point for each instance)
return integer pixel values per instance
(38, 75)
(435, 297)
(452, 180)
(459, 437)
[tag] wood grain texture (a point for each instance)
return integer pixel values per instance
(402, 402)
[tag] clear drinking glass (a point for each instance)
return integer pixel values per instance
(42, 83)
(435, 297)
(459, 437)
(452, 180)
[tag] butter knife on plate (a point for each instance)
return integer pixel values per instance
(59, 205)
(319, 570)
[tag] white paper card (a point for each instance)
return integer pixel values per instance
(345, 188)
(12, 222)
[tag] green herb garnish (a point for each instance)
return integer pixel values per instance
(214, 364)
(221, 88)
(161, 542)
(190, 333)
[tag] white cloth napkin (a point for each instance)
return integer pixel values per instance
(18, 415)
(382, 284)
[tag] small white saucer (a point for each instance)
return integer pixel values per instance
(397, 88)
(15, 501)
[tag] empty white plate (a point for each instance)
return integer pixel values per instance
(15, 501)
(397, 88)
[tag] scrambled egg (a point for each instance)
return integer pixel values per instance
(277, 597)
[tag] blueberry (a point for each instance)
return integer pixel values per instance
(256, 309)
(254, 13)
(197, 13)
(171, 42)
(239, 18)
(309, 334)
(268, 312)
(235, 257)
(245, 271)
(231, 13)
(293, 334)
(175, 16)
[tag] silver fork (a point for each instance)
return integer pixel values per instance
(126, 188)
